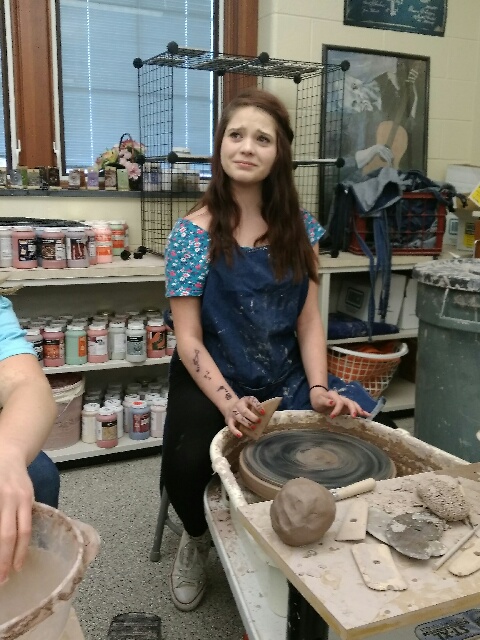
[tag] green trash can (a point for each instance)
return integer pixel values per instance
(447, 383)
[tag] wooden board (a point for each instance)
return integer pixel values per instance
(327, 576)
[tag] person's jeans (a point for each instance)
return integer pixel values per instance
(45, 479)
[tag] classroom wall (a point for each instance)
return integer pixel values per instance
(298, 30)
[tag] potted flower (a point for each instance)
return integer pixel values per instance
(127, 154)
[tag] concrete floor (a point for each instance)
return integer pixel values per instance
(120, 499)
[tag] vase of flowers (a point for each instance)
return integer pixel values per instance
(127, 154)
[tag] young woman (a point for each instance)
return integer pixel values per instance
(241, 273)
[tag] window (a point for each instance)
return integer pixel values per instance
(4, 95)
(99, 41)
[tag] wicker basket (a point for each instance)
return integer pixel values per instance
(374, 371)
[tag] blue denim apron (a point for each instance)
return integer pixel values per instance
(249, 328)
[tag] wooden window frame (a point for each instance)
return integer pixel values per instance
(33, 75)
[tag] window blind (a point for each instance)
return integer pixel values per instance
(99, 41)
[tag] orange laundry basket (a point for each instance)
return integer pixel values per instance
(367, 364)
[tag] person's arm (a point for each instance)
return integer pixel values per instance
(27, 416)
(201, 366)
(313, 349)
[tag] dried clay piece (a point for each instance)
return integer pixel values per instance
(302, 511)
(446, 500)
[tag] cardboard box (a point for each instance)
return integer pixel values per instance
(355, 294)
(408, 318)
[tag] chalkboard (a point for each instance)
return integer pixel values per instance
(427, 17)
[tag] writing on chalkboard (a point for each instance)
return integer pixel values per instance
(415, 16)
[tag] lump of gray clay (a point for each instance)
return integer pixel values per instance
(445, 499)
(302, 511)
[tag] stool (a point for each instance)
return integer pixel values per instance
(162, 520)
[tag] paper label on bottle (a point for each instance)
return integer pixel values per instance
(156, 340)
(76, 249)
(53, 249)
(135, 345)
(53, 348)
(6, 248)
(27, 250)
(140, 422)
(97, 345)
(107, 430)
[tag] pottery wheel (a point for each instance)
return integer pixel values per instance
(331, 459)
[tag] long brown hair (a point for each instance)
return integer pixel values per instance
(290, 248)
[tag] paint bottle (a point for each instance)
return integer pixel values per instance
(171, 342)
(156, 338)
(76, 239)
(127, 414)
(24, 248)
(116, 405)
(51, 248)
(118, 236)
(6, 253)
(97, 348)
(140, 429)
(89, 422)
(158, 412)
(106, 428)
(53, 346)
(103, 241)
(136, 342)
(117, 341)
(34, 336)
(92, 246)
(75, 344)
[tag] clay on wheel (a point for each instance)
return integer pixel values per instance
(302, 512)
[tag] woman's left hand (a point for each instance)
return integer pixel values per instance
(331, 401)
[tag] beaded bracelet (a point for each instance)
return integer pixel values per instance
(318, 386)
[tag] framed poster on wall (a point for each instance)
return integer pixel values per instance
(427, 17)
(385, 110)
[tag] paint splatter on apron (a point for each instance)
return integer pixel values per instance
(249, 323)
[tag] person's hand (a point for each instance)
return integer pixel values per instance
(245, 411)
(333, 403)
(16, 500)
(364, 156)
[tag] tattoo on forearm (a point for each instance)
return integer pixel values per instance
(228, 395)
(196, 361)
(207, 376)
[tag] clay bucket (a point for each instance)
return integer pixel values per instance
(36, 601)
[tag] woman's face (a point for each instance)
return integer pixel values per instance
(249, 145)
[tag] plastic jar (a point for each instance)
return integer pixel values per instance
(75, 344)
(6, 254)
(91, 246)
(97, 348)
(158, 412)
(156, 338)
(106, 428)
(103, 242)
(34, 336)
(117, 341)
(136, 342)
(24, 248)
(127, 414)
(89, 422)
(118, 236)
(116, 404)
(76, 239)
(51, 248)
(53, 346)
(126, 232)
(171, 342)
(140, 412)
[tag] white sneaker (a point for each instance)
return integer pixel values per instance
(188, 579)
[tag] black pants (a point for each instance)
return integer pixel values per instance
(192, 423)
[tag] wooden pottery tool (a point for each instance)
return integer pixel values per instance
(354, 524)
(377, 567)
(269, 406)
(416, 535)
(467, 562)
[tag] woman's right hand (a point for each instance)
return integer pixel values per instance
(245, 411)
